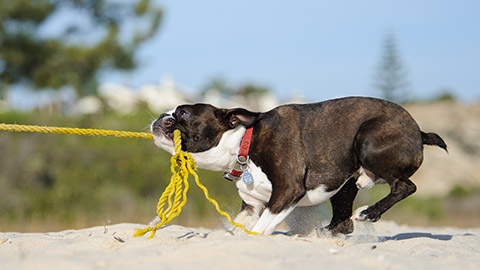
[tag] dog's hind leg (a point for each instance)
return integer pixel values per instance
(342, 204)
(399, 190)
(391, 150)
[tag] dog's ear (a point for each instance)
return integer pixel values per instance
(240, 116)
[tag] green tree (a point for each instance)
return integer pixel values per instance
(96, 35)
(390, 77)
(252, 89)
(226, 89)
(219, 84)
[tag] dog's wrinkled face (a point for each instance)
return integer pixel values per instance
(201, 125)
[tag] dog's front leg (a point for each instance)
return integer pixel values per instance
(342, 204)
(282, 202)
(248, 216)
(269, 221)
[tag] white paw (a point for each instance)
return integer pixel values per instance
(237, 231)
(244, 218)
(357, 215)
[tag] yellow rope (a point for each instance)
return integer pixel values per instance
(185, 165)
(175, 195)
(75, 131)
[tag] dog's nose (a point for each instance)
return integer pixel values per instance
(168, 121)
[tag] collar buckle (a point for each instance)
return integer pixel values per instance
(230, 177)
(242, 160)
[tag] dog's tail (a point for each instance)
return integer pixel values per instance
(433, 139)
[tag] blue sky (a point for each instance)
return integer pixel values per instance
(323, 49)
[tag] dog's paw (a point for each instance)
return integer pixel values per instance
(360, 214)
(364, 213)
(344, 227)
(238, 231)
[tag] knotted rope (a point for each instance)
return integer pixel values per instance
(182, 165)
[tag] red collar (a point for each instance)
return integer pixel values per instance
(242, 157)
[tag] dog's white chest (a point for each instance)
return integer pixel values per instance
(259, 191)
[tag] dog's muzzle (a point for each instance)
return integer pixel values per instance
(164, 125)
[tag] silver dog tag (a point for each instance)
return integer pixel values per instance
(247, 177)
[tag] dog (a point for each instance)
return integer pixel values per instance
(303, 154)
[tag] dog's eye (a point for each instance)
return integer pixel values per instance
(183, 113)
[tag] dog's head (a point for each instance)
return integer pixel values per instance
(201, 125)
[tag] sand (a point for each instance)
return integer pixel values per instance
(383, 245)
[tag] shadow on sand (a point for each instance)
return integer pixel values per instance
(406, 236)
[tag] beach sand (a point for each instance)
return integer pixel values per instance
(382, 245)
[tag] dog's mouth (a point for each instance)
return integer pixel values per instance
(168, 135)
(161, 132)
(163, 128)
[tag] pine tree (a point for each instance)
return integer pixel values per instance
(390, 77)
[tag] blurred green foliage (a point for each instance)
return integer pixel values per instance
(227, 89)
(101, 35)
(50, 181)
(445, 95)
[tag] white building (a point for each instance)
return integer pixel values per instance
(163, 96)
